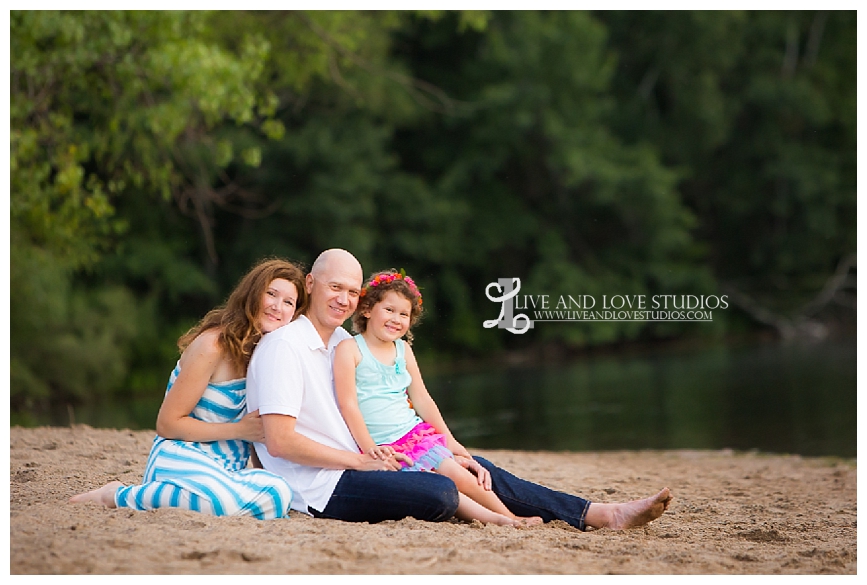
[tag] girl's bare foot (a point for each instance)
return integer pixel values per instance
(517, 522)
(527, 521)
(103, 495)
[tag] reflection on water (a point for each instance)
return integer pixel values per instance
(776, 398)
(786, 399)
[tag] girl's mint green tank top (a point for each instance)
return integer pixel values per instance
(382, 396)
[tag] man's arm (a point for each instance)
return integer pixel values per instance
(277, 385)
(283, 441)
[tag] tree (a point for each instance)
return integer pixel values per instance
(156, 155)
(107, 105)
(545, 188)
(116, 114)
(759, 109)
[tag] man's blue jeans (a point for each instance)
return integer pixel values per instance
(374, 496)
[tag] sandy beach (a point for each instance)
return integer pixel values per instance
(733, 513)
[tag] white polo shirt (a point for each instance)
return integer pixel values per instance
(291, 373)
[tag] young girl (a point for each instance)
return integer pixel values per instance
(385, 403)
(199, 457)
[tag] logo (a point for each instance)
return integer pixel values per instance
(508, 288)
(585, 308)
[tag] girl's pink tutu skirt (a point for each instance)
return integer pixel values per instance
(425, 446)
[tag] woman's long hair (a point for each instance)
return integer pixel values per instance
(237, 319)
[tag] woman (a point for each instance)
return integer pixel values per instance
(199, 457)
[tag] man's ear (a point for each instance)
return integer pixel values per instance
(308, 283)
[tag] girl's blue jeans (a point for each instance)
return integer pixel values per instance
(374, 496)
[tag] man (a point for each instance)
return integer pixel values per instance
(289, 381)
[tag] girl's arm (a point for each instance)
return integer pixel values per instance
(346, 359)
(198, 364)
(425, 406)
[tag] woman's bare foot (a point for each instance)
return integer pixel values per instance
(103, 495)
(629, 514)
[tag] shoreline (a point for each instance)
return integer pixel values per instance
(733, 513)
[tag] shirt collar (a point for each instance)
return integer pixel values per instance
(311, 336)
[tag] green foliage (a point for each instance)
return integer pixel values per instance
(760, 108)
(104, 101)
(68, 344)
(105, 105)
(550, 192)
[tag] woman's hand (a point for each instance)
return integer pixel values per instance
(250, 428)
(474, 467)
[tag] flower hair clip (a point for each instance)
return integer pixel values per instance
(391, 277)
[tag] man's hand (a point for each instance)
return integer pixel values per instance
(367, 462)
(474, 467)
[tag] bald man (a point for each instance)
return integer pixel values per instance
(290, 383)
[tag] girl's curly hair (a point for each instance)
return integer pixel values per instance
(237, 319)
(374, 291)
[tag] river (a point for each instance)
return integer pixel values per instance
(782, 398)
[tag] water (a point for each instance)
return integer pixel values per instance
(773, 398)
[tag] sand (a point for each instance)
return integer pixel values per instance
(733, 513)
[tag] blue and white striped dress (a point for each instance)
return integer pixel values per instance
(209, 477)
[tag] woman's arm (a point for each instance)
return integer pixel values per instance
(425, 406)
(200, 360)
(346, 359)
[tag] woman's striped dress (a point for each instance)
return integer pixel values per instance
(209, 477)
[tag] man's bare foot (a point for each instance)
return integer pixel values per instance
(103, 495)
(629, 514)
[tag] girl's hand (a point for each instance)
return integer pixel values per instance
(250, 428)
(474, 467)
(369, 463)
(381, 452)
